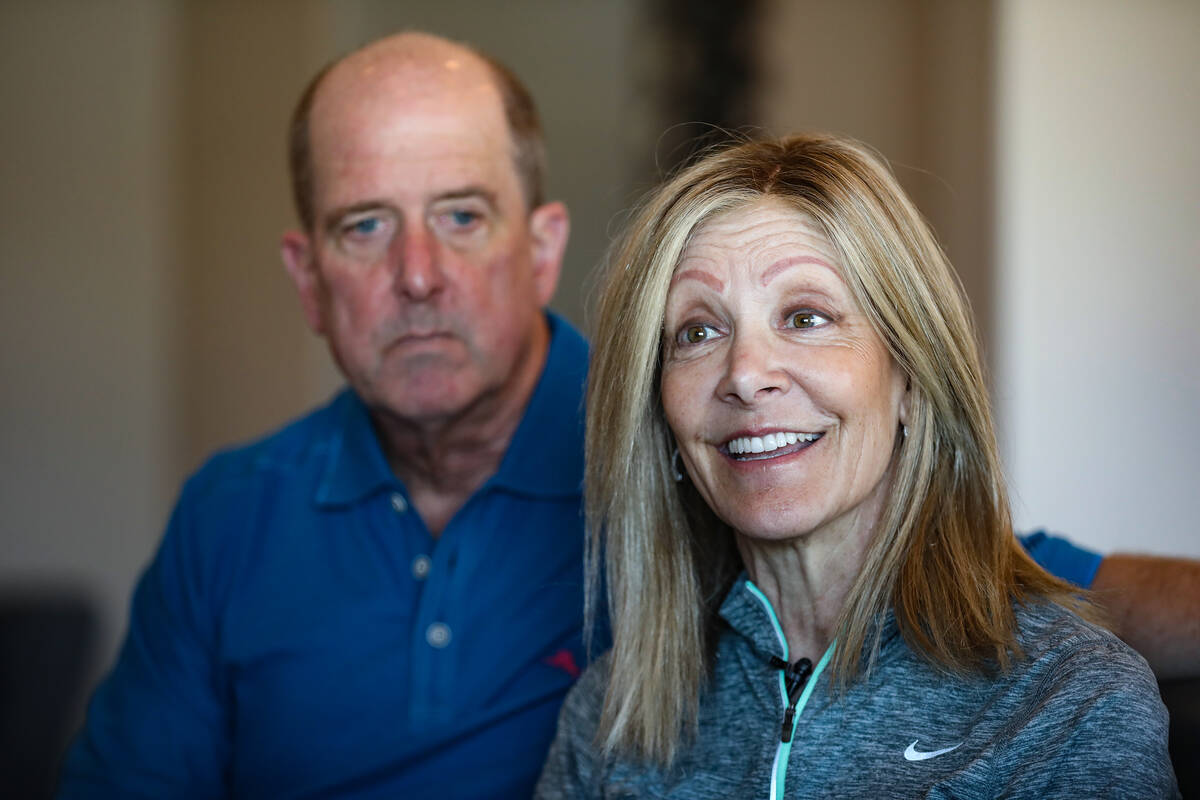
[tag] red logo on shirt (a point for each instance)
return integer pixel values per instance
(565, 661)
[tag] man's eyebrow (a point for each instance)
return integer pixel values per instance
(466, 193)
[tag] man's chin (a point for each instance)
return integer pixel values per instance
(426, 396)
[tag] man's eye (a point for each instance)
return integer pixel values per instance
(365, 226)
(806, 319)
(458, 222)
(696, 334)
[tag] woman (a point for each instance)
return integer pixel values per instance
(812, 579)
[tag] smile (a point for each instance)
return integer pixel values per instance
(746, 448)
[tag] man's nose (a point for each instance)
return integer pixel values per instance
(418, 265)
(753, 371)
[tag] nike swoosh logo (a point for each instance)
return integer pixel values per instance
(911, 753)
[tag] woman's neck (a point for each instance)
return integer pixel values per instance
(806, 579)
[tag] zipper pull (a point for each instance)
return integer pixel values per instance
(785, 733)
(795, 676)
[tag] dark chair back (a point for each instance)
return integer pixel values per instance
(47, 644)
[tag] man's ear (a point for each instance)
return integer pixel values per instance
(296, 250)
(549, 225)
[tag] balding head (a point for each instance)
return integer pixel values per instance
(404, 67)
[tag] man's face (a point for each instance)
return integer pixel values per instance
(424, 270)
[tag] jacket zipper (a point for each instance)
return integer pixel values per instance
(796, 683)
(795, 676)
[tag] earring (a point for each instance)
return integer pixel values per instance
(904, 430)
(676, 470)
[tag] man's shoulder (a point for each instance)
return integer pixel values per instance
(280, 454)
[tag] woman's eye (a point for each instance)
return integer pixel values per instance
(805, 319)
(695, 334)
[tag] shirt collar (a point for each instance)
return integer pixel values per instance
(356, 465)
(751, 618)
(544, 459)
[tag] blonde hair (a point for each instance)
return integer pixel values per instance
(943, 557)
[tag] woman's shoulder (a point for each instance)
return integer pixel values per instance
(1074, 684)
(573, 766)
(1050, 634)
(586, 698)
(1065, 655)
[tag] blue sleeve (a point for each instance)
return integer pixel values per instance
(1062, 559)
(157, 725)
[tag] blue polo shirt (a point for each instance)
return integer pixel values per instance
(1060, 557)
(300, 633)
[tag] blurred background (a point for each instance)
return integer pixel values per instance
(145, 319)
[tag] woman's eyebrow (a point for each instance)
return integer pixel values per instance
(708, 279)
(771, 272)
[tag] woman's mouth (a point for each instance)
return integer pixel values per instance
(770, 445)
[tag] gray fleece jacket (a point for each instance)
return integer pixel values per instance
(1080, 717)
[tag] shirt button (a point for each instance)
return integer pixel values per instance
(438, 635)
(420, 567)
(399, 504)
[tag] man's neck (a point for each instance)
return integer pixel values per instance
(442, 462)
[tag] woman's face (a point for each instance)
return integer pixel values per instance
(784, 402)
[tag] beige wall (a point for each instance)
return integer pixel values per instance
(1099, 256)
(88, 266)
(247, 361)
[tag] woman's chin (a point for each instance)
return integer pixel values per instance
(769, 529)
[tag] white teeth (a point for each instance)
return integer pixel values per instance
(767, 443)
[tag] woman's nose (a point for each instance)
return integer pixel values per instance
(752, 370)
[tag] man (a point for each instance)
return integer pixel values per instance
(383, 598)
